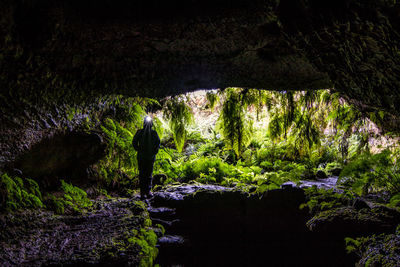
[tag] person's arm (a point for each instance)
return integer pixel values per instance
(135, 140)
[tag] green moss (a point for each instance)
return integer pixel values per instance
(55, 204)
(352, 245)
(73, 199)
(20, 193)
(146, 240)
(321, 199)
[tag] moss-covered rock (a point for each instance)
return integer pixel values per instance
(18, 193)
(112, 233)
(376, 250)
(347, 221)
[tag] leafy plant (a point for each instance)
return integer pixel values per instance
(371, 172)
(321, 199)
(235, 127)
(179, 116)
(213, 99)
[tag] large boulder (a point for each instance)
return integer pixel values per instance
(349, 221)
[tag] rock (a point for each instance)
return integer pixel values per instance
(347, 221)
(100, 237)
(171, 239)
(359, 204)
(380, 250)
(63, 155)
(336, 171)
(159, 179)
(308, 176)
(227, 227)
(321, 174)
(326, 183)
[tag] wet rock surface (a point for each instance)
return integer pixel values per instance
(326, 183)
(38, 238)
(219, 226)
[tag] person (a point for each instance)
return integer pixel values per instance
(146, 142)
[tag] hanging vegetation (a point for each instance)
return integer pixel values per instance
(212, 98)
(179, 116)
(235, 126)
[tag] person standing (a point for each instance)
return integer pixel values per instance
(146, 142)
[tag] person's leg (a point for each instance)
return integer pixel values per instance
(142, 178)
(148, 173)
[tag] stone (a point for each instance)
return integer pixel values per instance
(94, 238)
(347, 221)
(63, 155)
(360, 203)
(379, 250)
(321, 174)
(159, 179)
(171, 47)
(336, 171)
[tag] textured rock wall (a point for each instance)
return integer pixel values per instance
(158, 48)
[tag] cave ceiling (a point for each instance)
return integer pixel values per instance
(157, 48)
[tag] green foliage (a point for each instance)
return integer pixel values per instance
(179, 116)
(352, 245)
(213, 99)
(395, 201)
(19, 193)
(75, 195)
(73, 199)
(146, 239)
(56, 204)
(333, 166)
(235, 127)
(121, 156)
(295, 146)
(206, 170)
(321, 199)
(370, 173)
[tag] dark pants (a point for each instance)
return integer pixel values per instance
(145, 175)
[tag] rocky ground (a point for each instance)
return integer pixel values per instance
(205, 225)
(98, 237)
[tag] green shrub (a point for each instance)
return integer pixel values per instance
(371, 173)
(207, 166)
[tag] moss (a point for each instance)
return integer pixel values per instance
(146, 240)
(138, 207)
(322, 200)
(162, 229)
(20, 193)
(73, 199)
(376, 250)
(55, 204)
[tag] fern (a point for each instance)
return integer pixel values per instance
(235, 127)
(213, 99)
(179, 116)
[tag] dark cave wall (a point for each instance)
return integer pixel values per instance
(54, 52)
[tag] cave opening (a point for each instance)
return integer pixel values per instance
(242, 177)
(297, 176)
